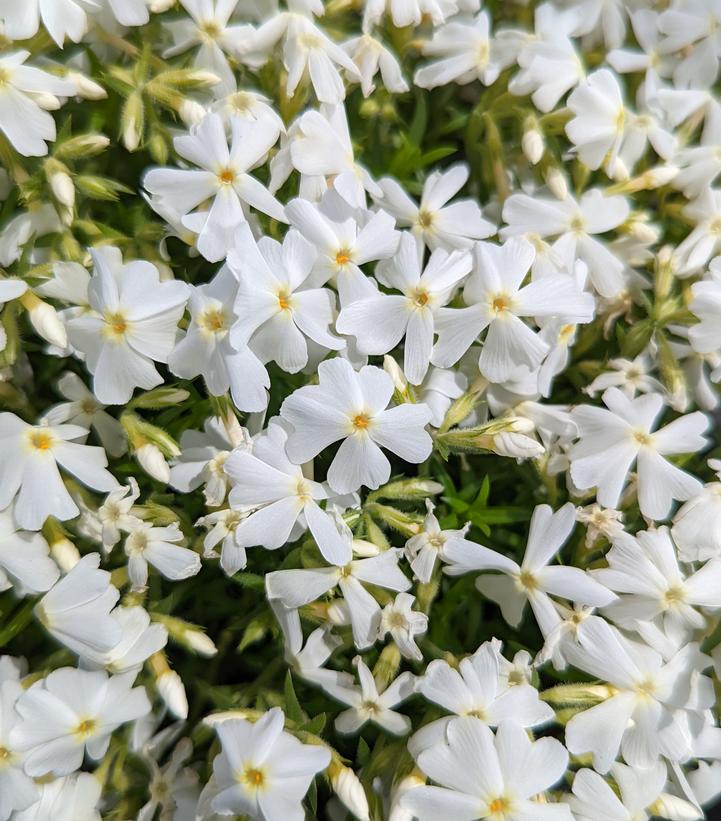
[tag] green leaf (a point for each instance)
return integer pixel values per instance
(292, 706)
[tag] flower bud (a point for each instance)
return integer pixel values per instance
(61, 184)
(65, 554)
(532, 141)
(187, 634)
(131, 121)
(46, 100)
(347, 786)
(159, 6)
(516, 446)
(191, 112)
(85, 87)
(153, 462)
(556, 182)
(45, 320)
(171, 690)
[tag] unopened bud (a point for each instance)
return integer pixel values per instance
(191, 111)
(45, 320)
(65, 554)
(85, 87)
(63, 189)
(46, 100)
(153, 462)
(516, 446)
(159, 6)
(347, 786)
(187, 634)
(131, 121)
(365, 549)
(532, 141)
(171, 690)
(556, 182)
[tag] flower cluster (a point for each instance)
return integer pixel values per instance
(359, 383)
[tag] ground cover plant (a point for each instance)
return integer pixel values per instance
(359, 404)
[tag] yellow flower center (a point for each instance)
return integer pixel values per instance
(675, 595)
(85, 728)
(425, 219)
(420, 298)
(116, 325)
(227, 176)
(342, 257)
(253, 777)
(642, 437)
(498, 806)
(500, 303)
(361, 421)
(527, 580)
(213, 320)
(284, 301)
(41, 440)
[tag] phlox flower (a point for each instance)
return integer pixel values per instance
(496, 300)
(322, 147)
(74, 797)
(222, 176)
(296, 588)
(207, 348)
(644, 571)
(23, 120)
(61, 19)
(696, 527)
(307, 52)
(353, 406)
(17, 790)
(29, 460)
(464, 51)
(486, 776)
(71, 712)
(425, 548)
(134, 322)
(704, 240)
(203, 455)
(705, 335)
(115, 514)
(575, 225)
(642, 795)
(275, 499)
(342, 244)
(403, 624)
(83, 409)
(534, 580)
(379, 320)
(644, 716)
(404, 13)
(263, 771)
(371, 57)
(367, 704)
(476, 688)
(76, 610)
(208, 26)
(435, 220)
(611, 439)
(25, 562)
(158, 546)
(276, 310)
(139, 639)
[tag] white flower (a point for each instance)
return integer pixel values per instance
(61, 18)
(644, 571)
(322, 147)
(534, 580)
(29, 459)
(134, 322)
(276, 309)
(222, 526)
(367, 704)
(404, 13)
(263, 771)
(642, 794)
(307, 51)
(71, 712)
(496, 300)
(424, 549)
(476, 688)
(114, 515)
(308, 660)
(207, 26)
(371, 56)
(38, 221)
(644, 715)
(704, 241)
(76, 610)
(465, 52)
(705, 336)
(379, 320)
(24, 92)
(17, 789)
(222, 176)
(632, 376)
(72, 798)
(276, 499)
(600, 522)
(158, 546)
(404, 624)
(25, 561)
(575, 224)
(295, 588)
(138, 641)
(83, 409)
(342, 244)
(352, 406)
(438, 224)
(697, 524)
(610, 441)
(483, 776)
(207, 349)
